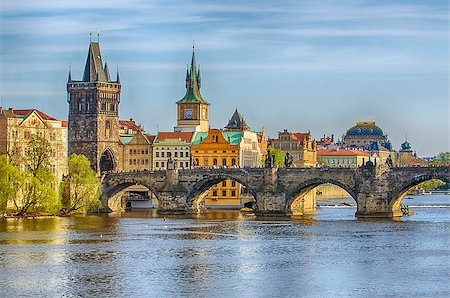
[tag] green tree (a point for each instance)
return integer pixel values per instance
(10, 182)
(442, 158)
(279, 156)
(38, 189)
(81, 189)
(430, 184)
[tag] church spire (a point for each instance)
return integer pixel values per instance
(193, 83)
(70, 73)
(93, 70)
(118, 77)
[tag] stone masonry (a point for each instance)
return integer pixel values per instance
(275, 190)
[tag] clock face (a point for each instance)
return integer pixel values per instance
(188, 114)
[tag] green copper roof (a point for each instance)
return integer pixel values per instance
(126, 139)
(199, 136)
(232, 136)
(193, 84)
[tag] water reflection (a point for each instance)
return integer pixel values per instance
(328, 253)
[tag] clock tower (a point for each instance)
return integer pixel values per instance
(193, 110)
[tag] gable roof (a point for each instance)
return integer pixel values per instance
(26, 112)
(129, 124)
(234, 137)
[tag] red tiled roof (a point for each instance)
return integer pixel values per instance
(28, 111)
(150, 137)
(183, 135)
(64, 123)
(129, 124)
(342, 152)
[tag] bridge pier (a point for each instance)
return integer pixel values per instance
(171, 202)
(271, 204)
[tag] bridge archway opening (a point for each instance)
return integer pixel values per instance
(222, 193)
(320, 193)
(131, 196)
(421, 185)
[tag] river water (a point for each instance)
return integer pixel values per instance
(227, 254)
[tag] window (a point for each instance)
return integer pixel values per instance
(134, 151)
(162, 164)
(181, 154)
(131, 151)
(162, 154)
(215, 161)
(205, 162)
(138, 161)
(224, 183)
(157, 154)
(146, 151)
(131, 162)
(176, 154)
(233, 162)
(186, 164)
(224, 161)
(146, 161)
(233, 183)
(157, 164)
(169, 154)
(214, 193)
(233, 193)
(134, 161)
(224, 193)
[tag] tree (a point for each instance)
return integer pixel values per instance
(10, 181)
(442, 158)
(279, 156)
(81, 189)
(38, 188)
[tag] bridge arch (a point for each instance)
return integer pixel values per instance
(397, 195)
(111, 191)
(195, 195)
(304, 187)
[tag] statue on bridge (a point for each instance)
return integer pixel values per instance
(269, 161)
(288, 160)
(389, 161)
(171, 164)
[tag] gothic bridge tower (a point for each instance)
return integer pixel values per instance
(193, 110)
(94, 113)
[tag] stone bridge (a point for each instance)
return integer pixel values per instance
(276, 190)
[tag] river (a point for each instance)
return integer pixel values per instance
(227, 254)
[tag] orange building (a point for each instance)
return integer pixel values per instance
(217, 148)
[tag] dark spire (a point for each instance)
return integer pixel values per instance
(187, 76)
(237, 122)
(93, 70)
(199, 80)
(70, 73)
(118, 77)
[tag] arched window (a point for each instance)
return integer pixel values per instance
(233, 162)
(215, 161)
(224, 161)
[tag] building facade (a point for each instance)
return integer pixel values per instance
(94, 113)
(300, 146)
(192, 109)
(173, 146)
(17, 127)
(342, 158)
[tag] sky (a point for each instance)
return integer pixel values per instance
(314, 66)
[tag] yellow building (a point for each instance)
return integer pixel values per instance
(172, 145)
(300, 147)
(18, 126)
(342, 158)
(193, 109)
(218, 148)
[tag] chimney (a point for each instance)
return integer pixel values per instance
(332, 138)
